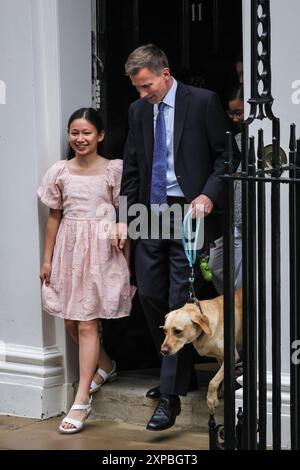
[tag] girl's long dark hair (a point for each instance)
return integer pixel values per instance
(91, 115)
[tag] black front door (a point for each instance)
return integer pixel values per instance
(201, 40)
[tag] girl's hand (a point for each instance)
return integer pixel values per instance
(118, 236)
(45, 273)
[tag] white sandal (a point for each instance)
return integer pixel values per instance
(106, 376)
(78, 425)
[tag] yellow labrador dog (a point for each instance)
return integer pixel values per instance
(206, 331)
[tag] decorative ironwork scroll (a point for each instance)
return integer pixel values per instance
(250, 432)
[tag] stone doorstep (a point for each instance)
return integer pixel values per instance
(124, 400)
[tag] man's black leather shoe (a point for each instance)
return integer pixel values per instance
(153, 393)
(165, 413)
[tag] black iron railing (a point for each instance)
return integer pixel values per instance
(257, 175)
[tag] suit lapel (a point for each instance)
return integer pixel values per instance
(148, 131)
(181, 106)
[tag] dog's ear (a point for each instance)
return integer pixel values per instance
(202, 321)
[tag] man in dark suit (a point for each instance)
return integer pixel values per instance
(195, 127)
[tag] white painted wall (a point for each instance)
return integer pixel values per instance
(45, 68)
(285, 62)
(75, 56)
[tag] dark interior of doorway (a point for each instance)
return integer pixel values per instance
(202, 40)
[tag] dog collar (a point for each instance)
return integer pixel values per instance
(194, 300)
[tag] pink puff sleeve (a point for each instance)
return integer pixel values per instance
(50, 188)
(114, 170)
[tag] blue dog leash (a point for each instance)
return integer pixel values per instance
(190, 248)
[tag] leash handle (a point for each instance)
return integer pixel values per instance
(191, 252)
(190, 247)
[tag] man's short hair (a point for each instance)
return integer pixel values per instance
(148, 56)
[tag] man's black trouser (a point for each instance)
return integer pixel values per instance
(162, 272)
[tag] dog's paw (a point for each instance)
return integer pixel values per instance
(212, 402)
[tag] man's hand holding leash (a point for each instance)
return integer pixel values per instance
(201, 205)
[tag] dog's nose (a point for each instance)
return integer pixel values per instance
(165, 351)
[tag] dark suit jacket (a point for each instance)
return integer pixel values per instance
(200, 127)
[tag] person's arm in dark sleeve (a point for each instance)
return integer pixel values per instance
(130, 178)
(217, 126)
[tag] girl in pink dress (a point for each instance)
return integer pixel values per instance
(83, 277)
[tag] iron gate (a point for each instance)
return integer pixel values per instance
(262, 184)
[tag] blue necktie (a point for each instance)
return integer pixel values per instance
(159, 166)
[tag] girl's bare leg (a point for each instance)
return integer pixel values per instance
(104, 361)
(72, 328)
(88, 336)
